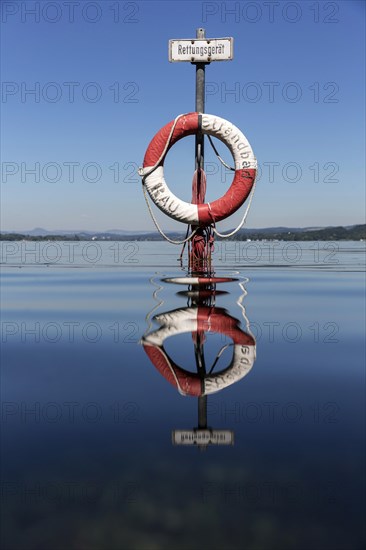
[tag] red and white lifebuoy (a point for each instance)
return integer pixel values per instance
(199, 214)
(195, 319)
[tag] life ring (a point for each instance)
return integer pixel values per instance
(152, 171)
(195, 319)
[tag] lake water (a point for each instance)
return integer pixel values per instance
(89, 414)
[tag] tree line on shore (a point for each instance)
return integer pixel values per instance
(340, 233)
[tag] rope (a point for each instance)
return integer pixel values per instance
(144, 173)
(242, 221)
(218, 156)
(184, 245)
(240, 304)
(148, 318)
(172, 241)
(249, 203)
(221, 351)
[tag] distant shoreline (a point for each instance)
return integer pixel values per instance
(340, 233)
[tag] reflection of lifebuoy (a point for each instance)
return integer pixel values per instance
(199, 214)
(195, 319)
(198, 280)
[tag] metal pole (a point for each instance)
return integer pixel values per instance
(200, 102)
(199, 158)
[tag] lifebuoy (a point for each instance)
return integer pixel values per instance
(194, 319)
(208, 213)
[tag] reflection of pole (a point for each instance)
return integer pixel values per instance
(202, 412)
(202, 399)
(201, 369)
(199, 355)
(202, 436)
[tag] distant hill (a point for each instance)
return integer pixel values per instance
(339, 233)
(40, 232)
(350, 233)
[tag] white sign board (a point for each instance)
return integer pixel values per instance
(203, 437)
(201, 50)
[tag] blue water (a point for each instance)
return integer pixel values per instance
(87, 418)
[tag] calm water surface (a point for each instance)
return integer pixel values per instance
(89, 414)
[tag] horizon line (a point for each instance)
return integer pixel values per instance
(170, 230)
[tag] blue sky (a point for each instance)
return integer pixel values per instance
(103, 86)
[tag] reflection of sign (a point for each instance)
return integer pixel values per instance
(201, 50)
(203, 437)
